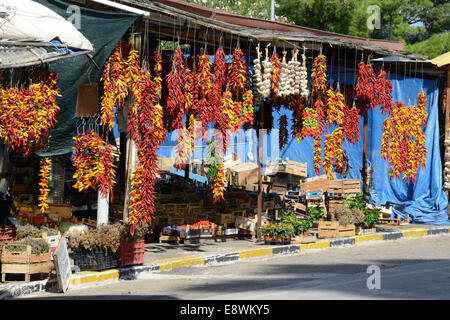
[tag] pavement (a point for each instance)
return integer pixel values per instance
(161, 257)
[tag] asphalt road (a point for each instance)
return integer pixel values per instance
(408, 269)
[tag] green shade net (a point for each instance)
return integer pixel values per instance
(104, 30)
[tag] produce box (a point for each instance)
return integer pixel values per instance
(332, 229)
(344, 186)
(287, 166)
(24, 257)
(226, 218)
(131, 253)
(245, 223)
(7, 233)
(164, 163)
(242, 174)
(61, 209)
(332, 187)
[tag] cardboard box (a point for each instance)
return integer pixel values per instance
(164, 163)
(243, 174)
(61, 209)
(295, 168)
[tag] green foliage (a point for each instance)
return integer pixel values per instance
(412, 21)
(360, 202)
(249, 8)
(212, 160)
(139, 231)
(434, 46)
(277, 231)
(329, 15)
(301, 225)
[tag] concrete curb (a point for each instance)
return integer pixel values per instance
(89, 278)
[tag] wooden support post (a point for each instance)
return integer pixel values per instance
(260, 160)
(364, 159)
(447, 108)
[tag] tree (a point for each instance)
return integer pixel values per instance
(329, 15)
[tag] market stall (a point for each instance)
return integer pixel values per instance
(189, 129)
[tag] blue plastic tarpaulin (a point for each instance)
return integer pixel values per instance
(424, 201)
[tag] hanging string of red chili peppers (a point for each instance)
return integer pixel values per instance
(147, 129)
(283, 135)
(351, 124)
(403, 140)
(44, 174)
(276, 72)
(365, 87)
(383, 92)
(175, 84)
(26, 116)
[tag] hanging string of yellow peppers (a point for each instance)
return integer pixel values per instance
(26, 116)
(115, 89)
(403, 140)
(94, 163)
(44, 174)
(120, 77)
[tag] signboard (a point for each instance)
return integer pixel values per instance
(62, 265)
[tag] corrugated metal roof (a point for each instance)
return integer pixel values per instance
(442, 60)
(14, 54)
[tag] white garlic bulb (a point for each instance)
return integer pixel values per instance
(304, 79)
(267, 67)
(258, 71)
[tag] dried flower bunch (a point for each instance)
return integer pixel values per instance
(38, 246)
(346, 215)
(106, 237)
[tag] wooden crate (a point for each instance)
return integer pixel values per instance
(182, 207)
(27, 269)
(169, 206)
(226, 218)
(295, 168)
(332, 229)
(302, 239)
(268, 204)
(24, 262)
(61, 209)
(164, 238)
(315, 185)
(88, 222)
(337, 187)
(243, 174)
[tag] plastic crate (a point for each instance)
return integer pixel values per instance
(7, 233)
(131, 253)
(93, 260)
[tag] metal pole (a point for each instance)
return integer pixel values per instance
(272, 10)
(102, 209)
(364, 168)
